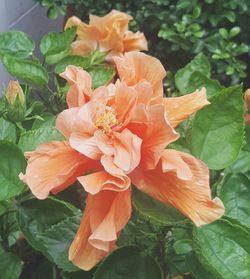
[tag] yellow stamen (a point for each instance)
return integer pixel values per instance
(106, 121)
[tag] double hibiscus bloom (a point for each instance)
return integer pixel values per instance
(116, 136)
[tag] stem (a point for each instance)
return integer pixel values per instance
(162, 240)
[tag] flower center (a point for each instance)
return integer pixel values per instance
(106, 121)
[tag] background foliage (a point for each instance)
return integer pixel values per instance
(178, 30)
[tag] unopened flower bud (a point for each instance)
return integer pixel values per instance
(247, 100)
(15, 101)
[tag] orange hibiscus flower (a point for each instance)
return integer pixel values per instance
(116, 138)
(109, 32)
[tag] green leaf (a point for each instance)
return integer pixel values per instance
(7, 131)
(224, 249)
(27, 71)
(30, 140)
(199, 64)
(128, 262)
(224, 33)
(101, 75)
(49, 120)
(16, 43)
(55, 46)
(183, 246)
(242, 164)
(12, 162)
(10, 266)
(234, 32)
(217, 132)
(197, 270)
(79, 61)
(81, 274)
(57, 240)
(156, 212)
(34, 217)
(235, 194)
(198, 80)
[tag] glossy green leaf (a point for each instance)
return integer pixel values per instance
(55, 46)
(224, 249)
(27, 71)
(12, 162)
(57, 239)
(75, 60)
(242, 164)
(235, 194)
(30, 140)
(199, 64)
(16, 43)
(154, 211)
(10, 266)
(36, 216)
(101, 75)
(198, 80)
(128, 262)
(7, 130)
(217, 132)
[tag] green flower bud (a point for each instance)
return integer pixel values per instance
(15, 101)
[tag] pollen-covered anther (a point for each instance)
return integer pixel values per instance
(106, 121)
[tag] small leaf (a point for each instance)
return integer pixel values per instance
(12, 162)
(224, 33)
(154, 211)
(198, 80)
(10, 266)
(55, 46)
(234, 31)
(7, 131)
(183, 246)
(224, 249)
(27, 71)
(101, 75)
(235, 194)
(217, 133)
(75, 60)
(30, 140)
(128, 262)
(199, 64)
(16, 43)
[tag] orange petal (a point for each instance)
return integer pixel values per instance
(85, 144)
(127, 150)
(135, 67)
(105, 215)
(179, 108)
(83, 31)
(135, 41)
(158, 135)
(80, 82)
(53, 167)
(83, 47)
(191, 196)
(79, 120)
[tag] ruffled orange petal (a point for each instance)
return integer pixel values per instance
(135, 67)
(179, 108)
(53, 167)
(127, 150)
(114, 20)
(83, 31)
(134, 41)
(105, 215)
(83, 47)
(157, 136)
(80, 90)
(170, 183)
